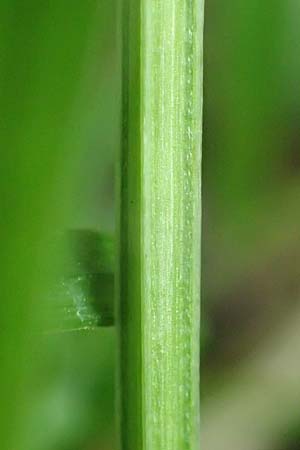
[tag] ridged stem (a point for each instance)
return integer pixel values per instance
(159, 270)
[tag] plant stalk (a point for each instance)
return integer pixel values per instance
(158, 280)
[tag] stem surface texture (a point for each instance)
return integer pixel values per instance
(159, 274)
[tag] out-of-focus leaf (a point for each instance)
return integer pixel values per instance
(44, 101)
(83, 296)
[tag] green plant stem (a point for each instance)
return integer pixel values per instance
(159, 271)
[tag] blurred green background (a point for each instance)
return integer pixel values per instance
(60, 103)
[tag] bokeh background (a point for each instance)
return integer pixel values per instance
(60, 100)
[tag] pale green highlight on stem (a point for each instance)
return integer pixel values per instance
(171, 124)
(159, 271)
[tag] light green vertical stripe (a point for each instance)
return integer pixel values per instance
(171, 93)
(161, 237)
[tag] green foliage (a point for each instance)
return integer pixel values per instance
(59, 100)
(44, 49)
(83, 295)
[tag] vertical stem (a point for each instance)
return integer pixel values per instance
(158, 281)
